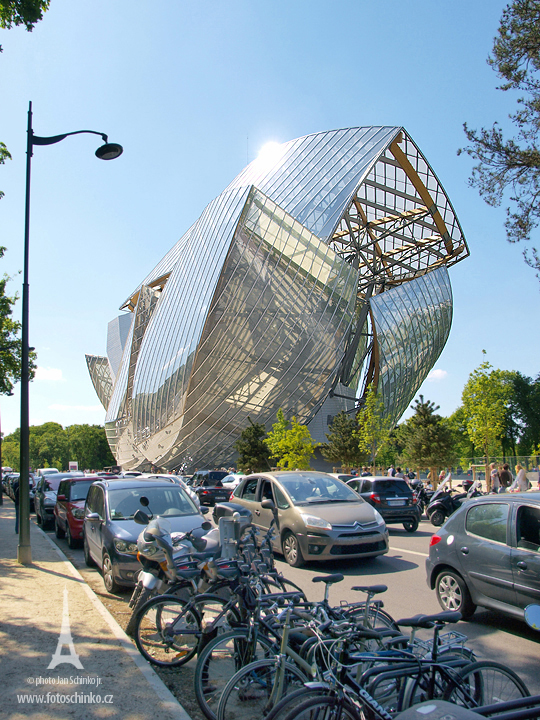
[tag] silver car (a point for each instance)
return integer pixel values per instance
(319, 517)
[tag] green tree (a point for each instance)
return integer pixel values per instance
(342, 446)
(484, 399)
(427, 438)
(514, 164)
(48, 446)
(253, 452)
(22, 12)
(87, 444)
(290, 443)
(463, 446)
(374, 428)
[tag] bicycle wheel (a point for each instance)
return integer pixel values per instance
(287, 704)
(429, 686)
(167, 631)
(376, 618)
(220, 660)
(325, 707)
(247, 695)
(485, 683)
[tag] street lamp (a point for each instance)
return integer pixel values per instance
(108, 151)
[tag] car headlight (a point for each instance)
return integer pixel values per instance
(78, 513)
(378, 517)
(125, 547)
(315, 522)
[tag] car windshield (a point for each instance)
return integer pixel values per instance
(79, 490)
(317, 489)
(52, 483)
(167, 502)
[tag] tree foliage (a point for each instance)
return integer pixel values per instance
(428, 440)
(253, 452)
(484, 399)
(342, 446)
(374, 428)
(514, 164)
(22, 12)
(50, 445)
(290, 443)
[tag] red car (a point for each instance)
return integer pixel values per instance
(69, 508)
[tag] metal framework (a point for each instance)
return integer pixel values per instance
(308, 279)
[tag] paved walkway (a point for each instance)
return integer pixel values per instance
(62, 655)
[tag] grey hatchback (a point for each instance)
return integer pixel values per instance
(320, 518)
(488, 553)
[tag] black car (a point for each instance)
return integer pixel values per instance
(110, 532)
(392, 497)
(488, 553)
(208, 486)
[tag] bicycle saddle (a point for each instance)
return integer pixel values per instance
(373, 589)
(328, 579)
(428, 621)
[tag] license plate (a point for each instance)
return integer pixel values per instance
(394, 503)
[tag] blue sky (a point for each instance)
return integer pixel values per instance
(192, 91)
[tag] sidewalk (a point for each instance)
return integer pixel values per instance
(62, 655)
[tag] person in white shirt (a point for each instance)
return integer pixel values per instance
(520, 484)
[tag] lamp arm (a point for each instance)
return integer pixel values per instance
(37, 140)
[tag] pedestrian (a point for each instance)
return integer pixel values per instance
(449, 476)
(15, 487)
(391, 471)
(520, 484)
(365, 472)
(494, 478)
(505, 478)
(442, 475)
(399, 473)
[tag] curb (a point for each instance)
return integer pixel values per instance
(168, 700)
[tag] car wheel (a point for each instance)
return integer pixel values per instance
(108, 578)
(70, 541)
(437, 518)
(58, 530)
(411, 525)
(453, 593)
(87, 557)
(291, 550)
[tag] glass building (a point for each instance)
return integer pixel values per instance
(318, 271)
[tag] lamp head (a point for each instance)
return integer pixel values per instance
(109, 151)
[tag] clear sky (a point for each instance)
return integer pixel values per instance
(193, 90)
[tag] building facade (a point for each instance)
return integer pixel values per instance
(317, 272)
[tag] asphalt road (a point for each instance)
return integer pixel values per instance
(491, 635)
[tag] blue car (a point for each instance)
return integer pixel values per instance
(110, 533)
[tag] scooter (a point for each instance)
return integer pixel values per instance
(444, 502)
(422, 494)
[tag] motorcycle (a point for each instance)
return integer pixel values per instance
(444, 502)
(422, 494)
(170, 559)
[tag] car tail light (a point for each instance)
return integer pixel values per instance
(414, 499)
(231, 496)
(376, 498)
(434, 540)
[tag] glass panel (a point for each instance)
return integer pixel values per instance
(488, 521)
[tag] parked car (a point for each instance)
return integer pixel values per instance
(320, 518)
(45, 496)
(209, 486)
(232, 480)
(69, 508)
(343, 476)
(46, 471)
(392, 497)
(110, 533)
(488, 553)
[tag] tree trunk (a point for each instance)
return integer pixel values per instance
(488, 474)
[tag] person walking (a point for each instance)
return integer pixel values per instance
(494, 478)
(505, 478)
(16, 501)
(520, 484)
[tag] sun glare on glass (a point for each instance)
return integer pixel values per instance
(270, 152)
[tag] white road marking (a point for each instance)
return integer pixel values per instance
(411, 552)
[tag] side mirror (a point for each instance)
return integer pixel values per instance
(92, 516)
(60, 497)
(141, 518)
(532, 616)
(204, 510)
(268, 504)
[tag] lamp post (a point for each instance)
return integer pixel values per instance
(108, 151)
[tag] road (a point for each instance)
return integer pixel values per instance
(491, 635)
